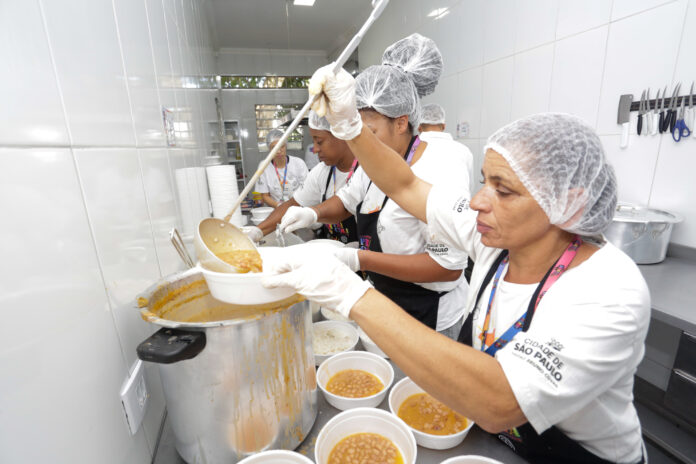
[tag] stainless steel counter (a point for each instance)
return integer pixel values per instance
(476, 442)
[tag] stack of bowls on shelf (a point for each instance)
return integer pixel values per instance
(222, 182)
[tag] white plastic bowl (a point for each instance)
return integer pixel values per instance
(407, 387)
(369, 345)
(343, 328)
(261, 213)
(365, 420)
(470, 459)
(246, 289)
(277, 457)
(331, 315)
(362, 360)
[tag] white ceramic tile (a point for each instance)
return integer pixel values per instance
(469, 92)
(446, 95)
(497, 96)
(685, 71)
(412, 14)
(634, 165)
(173, 38)
(623, 8)
(536, 23)
(577, 74)
(117, 209)
(443, 30)
(90, 71)
(475, 145)
(531, 82)
(134, 33)
(674, 189)
(177, 160)
(470, 36)
(27, 85)
(61, 358)
(574, 16)
(158, 35)
(635, 60)
(499, 29)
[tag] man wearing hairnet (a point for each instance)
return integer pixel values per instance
(336, 166)
(283, 176)
(557, 316)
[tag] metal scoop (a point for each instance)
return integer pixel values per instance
(218, 235)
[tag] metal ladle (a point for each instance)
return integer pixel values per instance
(214, 235)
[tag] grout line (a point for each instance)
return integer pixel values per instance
(604, 69)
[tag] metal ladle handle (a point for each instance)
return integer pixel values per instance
(377, 9)
(180, 247)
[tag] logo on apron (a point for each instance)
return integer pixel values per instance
(365, 241)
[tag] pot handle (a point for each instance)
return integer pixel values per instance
(167, 346)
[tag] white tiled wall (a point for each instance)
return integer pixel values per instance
(514, 58)
(88, 199)
(259, 62)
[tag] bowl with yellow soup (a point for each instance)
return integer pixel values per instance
(365, 435)
(355, 379)
(434, 425)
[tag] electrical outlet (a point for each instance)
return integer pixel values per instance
(134, 397)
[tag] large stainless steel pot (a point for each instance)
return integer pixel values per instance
(233, 387)
(642, 233)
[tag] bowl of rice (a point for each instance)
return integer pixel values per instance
(332, 337)
(331, 315)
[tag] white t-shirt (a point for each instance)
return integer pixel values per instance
(433, 137)
(269, 182)
(574, 367)
(400, 233)
(311, 192)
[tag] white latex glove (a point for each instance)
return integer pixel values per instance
(349, 257)
(320, 278)
(337, 101)
(254, 233)
(297, 217)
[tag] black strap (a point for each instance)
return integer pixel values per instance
(326, 187)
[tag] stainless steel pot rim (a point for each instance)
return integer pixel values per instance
(627, 212)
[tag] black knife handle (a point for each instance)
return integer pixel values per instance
(640, 123)
(672, 120)
(661, 124)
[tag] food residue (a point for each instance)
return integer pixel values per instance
(354, 383)
(244, 260)
(365, 447)
(426, 414)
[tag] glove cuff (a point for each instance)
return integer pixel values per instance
(356, 292)
(347, 129)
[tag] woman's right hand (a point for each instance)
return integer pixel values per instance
(336, 101)
(297, 217)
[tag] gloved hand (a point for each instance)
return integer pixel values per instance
(320, 278)
(297, 217)
(254, 233)
(349, 257)
(337, 101)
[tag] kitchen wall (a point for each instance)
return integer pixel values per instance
(87, 199)
(505, 59)
(268, 61)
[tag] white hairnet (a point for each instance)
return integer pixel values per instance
(410, 69)
(561, 162)
(273, 136)
(432, 114)
(318, 122)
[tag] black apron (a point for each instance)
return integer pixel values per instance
(419, 302)
(345, 231)
(552, 446)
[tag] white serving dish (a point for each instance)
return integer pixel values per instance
(331, 315)
(261, 213)
(470, 459)
(246, 289)
(257, 221)
(362, 360)
(276, 457)
(365, 420)
(369, 345)
(407, 387)
(343, 328)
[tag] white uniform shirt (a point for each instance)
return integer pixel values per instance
(433, 137)
(310, 194)
(269, 182)
(400, 233)
(574, 367)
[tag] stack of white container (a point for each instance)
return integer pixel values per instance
(222, 181)
(192, 187)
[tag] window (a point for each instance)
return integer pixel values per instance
(264, 82)
(269, 117)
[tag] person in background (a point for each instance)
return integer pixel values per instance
(422, 275)
(557, 316)
(432, 130)
(337, 165)
(283, 176)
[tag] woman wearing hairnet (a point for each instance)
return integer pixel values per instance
(557, 317)
(283, 176)
(423, 276)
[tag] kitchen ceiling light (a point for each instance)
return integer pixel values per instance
(437, 12)
(303, 2)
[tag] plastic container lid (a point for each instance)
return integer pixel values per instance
(627, 212)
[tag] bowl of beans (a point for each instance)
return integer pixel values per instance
(276, 457)
(470, 459)
(434, 425)
(355, 379)
(365, 435)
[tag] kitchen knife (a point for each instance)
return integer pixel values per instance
(624, 116)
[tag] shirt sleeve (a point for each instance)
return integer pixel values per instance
(262, 184)
(578, 346)
(450, 220)
(353, 193)
(311, 191)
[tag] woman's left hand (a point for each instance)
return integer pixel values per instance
(320, 278)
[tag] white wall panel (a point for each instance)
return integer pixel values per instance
(469, 99)
(499, 29)
(531, 82)
(624, 8)
(574, 16)
(497, 95)
(634, 165)
(469, 35)
(536, 23)
(28, 117)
